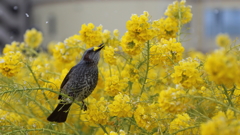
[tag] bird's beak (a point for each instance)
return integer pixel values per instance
(98, 48)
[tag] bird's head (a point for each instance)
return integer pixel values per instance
(92, 55)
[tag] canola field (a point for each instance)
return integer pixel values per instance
(148, 83)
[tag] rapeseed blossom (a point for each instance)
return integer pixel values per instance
(11, 63)
(223, 40)
(146, 116)
(179, 11)
(165, 28)
(188, 74)
(109, 55)
(146, 85)
(13, 47)
(221, 124)
(113, 85)
(33, 38)
(182, 122)
(121, 106)
(97, 112)
(166, 52)
(173, 101)
(90, 35)
(222, 68)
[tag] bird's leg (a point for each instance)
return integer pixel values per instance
(84, 107)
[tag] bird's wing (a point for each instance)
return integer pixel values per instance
(76, 91)
(65, 80)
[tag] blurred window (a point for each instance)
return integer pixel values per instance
(222, 21)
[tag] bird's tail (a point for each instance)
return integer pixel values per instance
(60, 113)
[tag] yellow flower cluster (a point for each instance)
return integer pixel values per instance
(114, 85)
(187, 74)
(65, 53)
(182, 122)
(109, 56)
(13, 47)
(166, 52)
(223, 40)
(173, 100)
(121, 132)
(166, 28)
(121, 106)
(179, 11)
(90, 35)
(131, 73)
(222, 68)
(139, 31)
(139, 28)
(97, 112)
(11, 63)
(146, 116)
(7, 118)
(221, 124)
(33, 38)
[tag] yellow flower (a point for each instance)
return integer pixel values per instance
(222, 68)
(33, 38)
(113, 84)
(121, 106)
(221, 124)
(91, 36)
(196, 55)
(65, 53)
(8, 118)
(166, 28)
(188, 73)
(139, 28)
(97, 112)
(167, 52)
(146, 116)
(41, 66)
(109, 56)
(172, 100)
(14, 47)
(106, 35)
(116, 33)
(182, 121)
(11, 64)
(121, 132)
(131, 46)
(131, 73)
(73, 41)
(223, 40)
(179, 12)
(33, 123)
(54, 84)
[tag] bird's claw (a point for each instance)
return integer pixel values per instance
(84, 107)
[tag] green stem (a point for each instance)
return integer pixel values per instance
(179, 23)
(228, 97)
(35, 78)
(216, 101)
(185, 129)
(103, 128)
(110, 70)
(41, 129)
(147, 68)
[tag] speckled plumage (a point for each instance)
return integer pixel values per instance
(78, 84)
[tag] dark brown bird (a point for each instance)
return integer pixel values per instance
(78, 84)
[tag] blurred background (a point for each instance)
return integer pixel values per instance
(59, 19)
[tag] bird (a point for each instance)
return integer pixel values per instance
(78, 84)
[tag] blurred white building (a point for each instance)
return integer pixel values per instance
(59, 19)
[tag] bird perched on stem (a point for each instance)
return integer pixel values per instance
(78, 84)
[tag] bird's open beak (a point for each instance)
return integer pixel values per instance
(98, 48)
